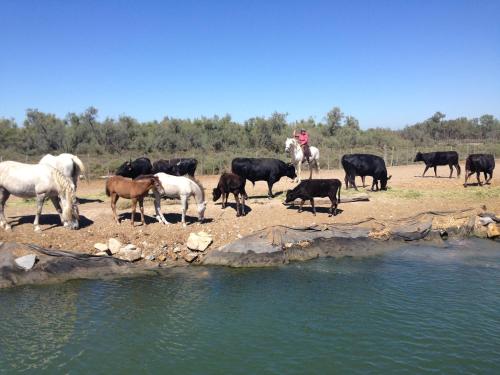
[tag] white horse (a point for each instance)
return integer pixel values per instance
(183, 188)
(292, 146)
(40, 181)
(69, 165)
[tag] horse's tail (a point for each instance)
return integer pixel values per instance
(79, 168)
(107, 190)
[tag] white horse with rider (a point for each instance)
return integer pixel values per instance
(68, 164)
(38, 181)
(292, 146)
(182, 188)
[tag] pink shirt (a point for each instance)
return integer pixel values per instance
(303, 139)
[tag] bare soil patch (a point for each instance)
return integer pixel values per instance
(409, 194)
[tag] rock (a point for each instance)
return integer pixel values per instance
(199, 241)
(190, 256)
(114, 245)
(150, 257)
(486, 220)
(177, 249)
(128, 247)
(493, 230)
(101, 246)
(26, 262)
(129, 254)
(103, 253)
(162, 258)
(480, 230)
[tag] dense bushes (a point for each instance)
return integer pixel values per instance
(216, 140)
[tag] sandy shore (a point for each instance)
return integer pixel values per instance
(409, 194)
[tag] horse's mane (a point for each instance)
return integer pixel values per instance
(199, 184)
(65, 186)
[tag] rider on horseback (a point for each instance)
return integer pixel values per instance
(303, 139)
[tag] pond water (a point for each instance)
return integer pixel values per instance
(415, 310)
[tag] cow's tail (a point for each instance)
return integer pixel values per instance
(338, 193)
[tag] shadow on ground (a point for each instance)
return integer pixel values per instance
(47, 219)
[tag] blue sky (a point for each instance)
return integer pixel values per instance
(388, 63)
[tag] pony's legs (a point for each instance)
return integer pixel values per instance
(184, 209)
(4, 195)
(159, 215)
(134, 206)
(141, 207)
(57, 206)
(40, 199)
(114, 199)
(435, 171)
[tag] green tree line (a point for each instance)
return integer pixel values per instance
(216, 139)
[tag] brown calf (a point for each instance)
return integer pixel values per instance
(231, 183)
(136, 190)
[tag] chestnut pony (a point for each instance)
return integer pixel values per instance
(136, 190)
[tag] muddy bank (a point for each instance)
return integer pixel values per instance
(272, 246)
(281, 244)
(58, 266)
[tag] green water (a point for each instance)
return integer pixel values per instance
(415, 310)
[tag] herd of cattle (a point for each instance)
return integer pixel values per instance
(272, 170)
(55, 178)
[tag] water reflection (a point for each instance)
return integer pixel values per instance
(417, 309)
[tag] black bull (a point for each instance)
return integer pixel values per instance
(365, 165)
(310, 189)
(132, 169)
(477, 163)
(433, 159)
(176, 167)
(262, 169)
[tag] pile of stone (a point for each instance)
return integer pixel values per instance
(487, 225)
(197, 244)
(114, 247)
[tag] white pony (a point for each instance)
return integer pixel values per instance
(40, 181)
(69, 165)
(180, 187)
(292, 146)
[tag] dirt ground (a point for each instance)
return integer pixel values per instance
(408, 195)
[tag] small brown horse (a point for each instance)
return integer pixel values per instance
(136, 190)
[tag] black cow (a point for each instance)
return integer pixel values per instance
(135, 168)
(176, 167)
(231, 183)
(365, 165)
(309, 189)
(262, 169)
(477, 163)
(433, 159)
